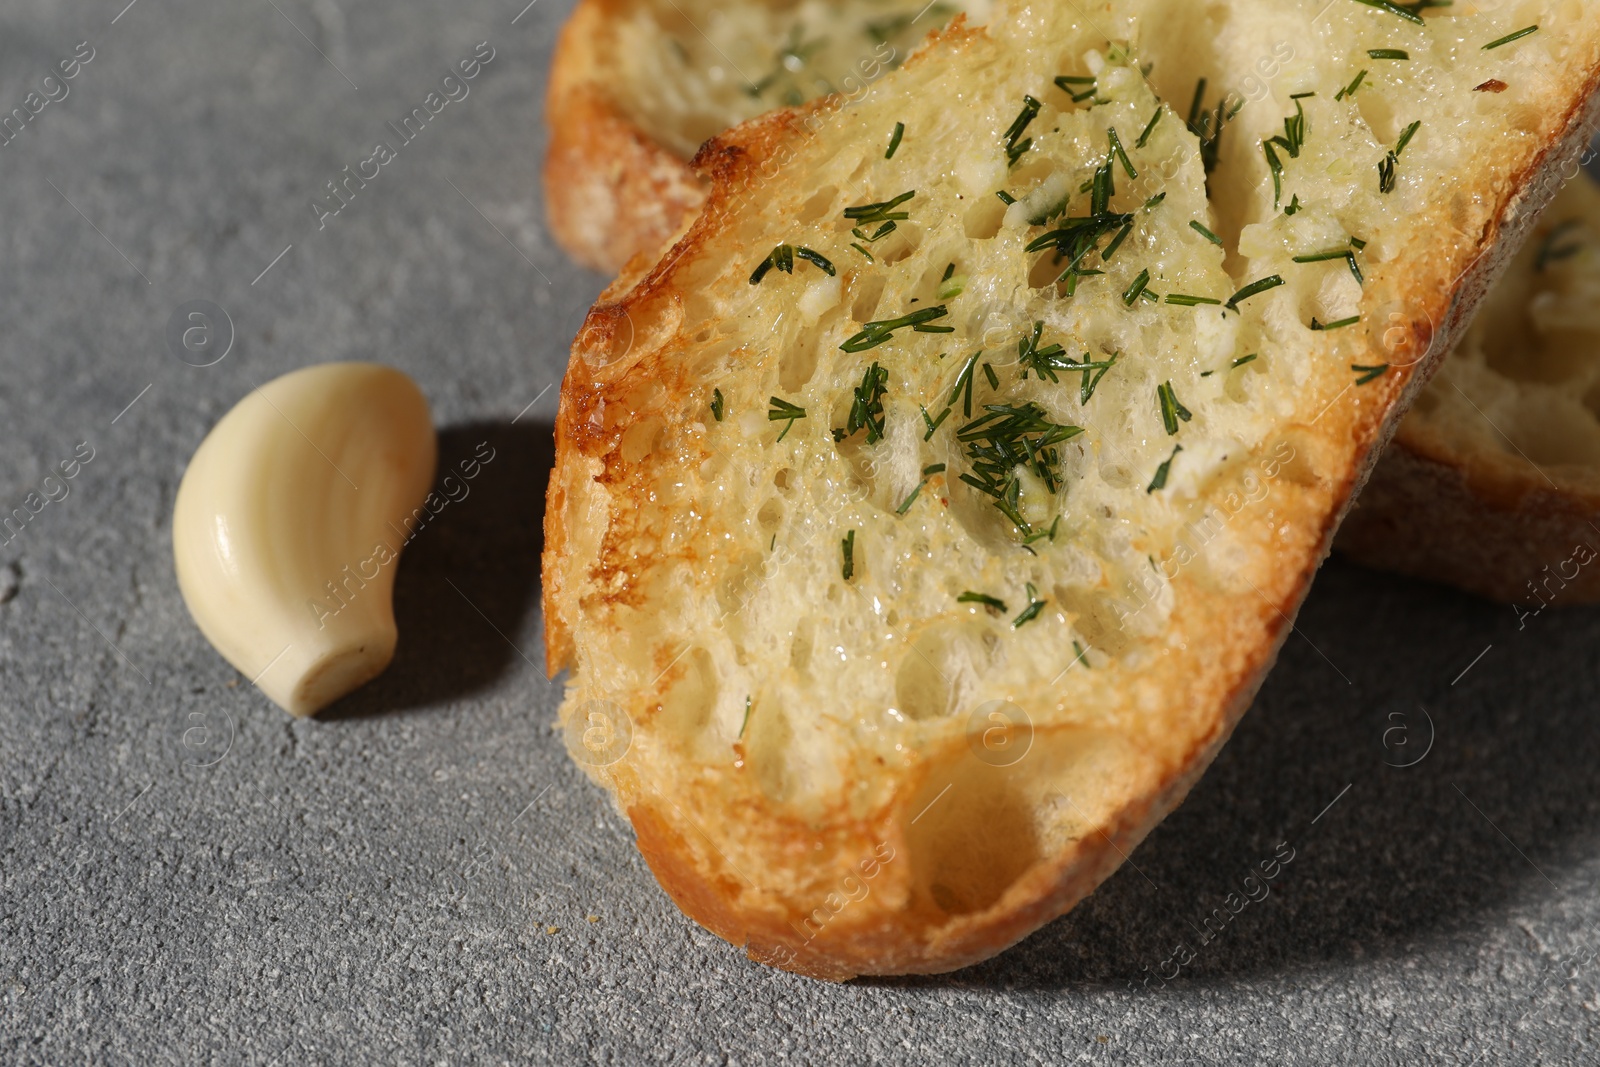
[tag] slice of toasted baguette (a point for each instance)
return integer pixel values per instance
(884, 682)
(1493, 481)
(1460, 501)
(638, 85)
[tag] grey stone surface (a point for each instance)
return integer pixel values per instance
(188, 876)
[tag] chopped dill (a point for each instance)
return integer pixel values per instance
(1119, 152)
(783, 411)
(1160, 480)
(1031, 612)
(1092, 373)
(1149, 129)
(817, 259)
(1387, 168)
(1350, 90)
(1008, 437)
(782, 258)
(1208, 125)
(985, 599)
(1508, 38)
(1015, 147)
(1136, 290)
(1043, 534)
(912, 499)
(964, 382)
(1172, 408)
(1116, 243)
(873, 334)
(1254, 289)
(883, 211)
(1344, 254)
(1066, 82)
(1407, 13)
(866, 409)
(1201, 229)
(1044, 362)
(1406, 135)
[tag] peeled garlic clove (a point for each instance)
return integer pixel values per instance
(289, 523)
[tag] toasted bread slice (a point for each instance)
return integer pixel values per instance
(638, 85)
(907, 575)
(1461, 501)
(1493, 481)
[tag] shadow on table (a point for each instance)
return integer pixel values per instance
(1499, 811)
(469, 579)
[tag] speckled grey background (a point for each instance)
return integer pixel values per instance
(188, 876)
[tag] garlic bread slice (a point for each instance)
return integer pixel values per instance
(922, 522)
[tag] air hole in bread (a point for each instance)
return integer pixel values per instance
(982, 220)
(1116, 475)
(816, 207)
(970, 844)
(1377, 111)
(690, 696)
(798, 361)
(1098, 618)
(937, 674)
(1046, 269)
(640, 439)
(899, 244)
(784, 479)
(771, 514)
(867, 291)
(973, 842)
(767, 738)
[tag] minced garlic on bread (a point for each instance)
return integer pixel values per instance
(951, 550)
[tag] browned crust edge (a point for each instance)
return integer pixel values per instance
(1519, 540)
(1051, 888)
(610, 190)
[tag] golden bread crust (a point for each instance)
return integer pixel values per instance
(766, 876)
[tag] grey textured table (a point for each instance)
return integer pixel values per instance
(188, 876)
